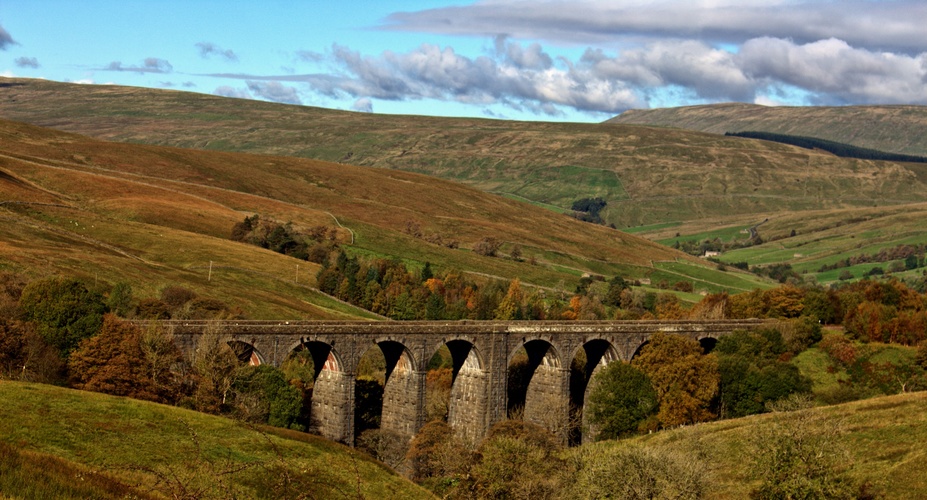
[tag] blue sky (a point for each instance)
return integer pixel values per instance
(534, 60)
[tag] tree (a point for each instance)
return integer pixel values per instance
(214, 364)
(511, 307)
(621, 399)
(24, 354)
(261, 394)
(752, 374)
(487, 247)
(685, 380)
(65, 310)
(436, 453)
(113, 362)
(120, 299)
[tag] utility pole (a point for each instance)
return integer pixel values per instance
(209, 276)
(297, 274)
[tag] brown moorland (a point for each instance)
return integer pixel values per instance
(647, 175)
(156, 215)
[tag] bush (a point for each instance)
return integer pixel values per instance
(487, 247)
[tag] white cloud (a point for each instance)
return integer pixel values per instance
(875, 24)
(274, 91)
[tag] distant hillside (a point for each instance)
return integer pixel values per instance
(646, 175)
(154, 216)
(896, 129)
(62, 443)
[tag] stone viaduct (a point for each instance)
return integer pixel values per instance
(482, 353)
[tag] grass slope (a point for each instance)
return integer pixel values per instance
(161, 215)
(648, 175)
(822, 237)
(160, 451)
(883, 438)
(898, 129)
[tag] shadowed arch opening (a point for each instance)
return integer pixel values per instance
(387, 390)
(246, 353)
(538, 387)
(594, 355)
(317, 368)
(708, 344)
(456, 388)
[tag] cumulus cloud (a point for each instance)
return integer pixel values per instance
(274, 91)
(27, 62)
(5, 39)
(363, 105)
(149, 65)
(526, 78)
(208, 49)
(874, 24)
(836, 71)
(520, 78)
(228, 91)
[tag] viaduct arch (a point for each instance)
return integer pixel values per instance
(481, 352)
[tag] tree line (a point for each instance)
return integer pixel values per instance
(63, 331)
(836, 148)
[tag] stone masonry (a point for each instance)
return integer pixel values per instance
(481, 351)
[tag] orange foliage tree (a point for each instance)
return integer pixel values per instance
(685, 379)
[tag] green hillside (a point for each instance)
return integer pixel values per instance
(898, 129)
(121, 448)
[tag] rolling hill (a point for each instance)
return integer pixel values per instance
(154, 215)
(896, 129)
(658, 182)
(647, 175)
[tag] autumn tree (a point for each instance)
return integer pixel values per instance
(685, 380)
(214, 366)
(24, 354)
(487, 246)
(511, 307)
(435, 454)
(113, 362)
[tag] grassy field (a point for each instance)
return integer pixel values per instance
(820, 237)
(882, 439)
(119, 447)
